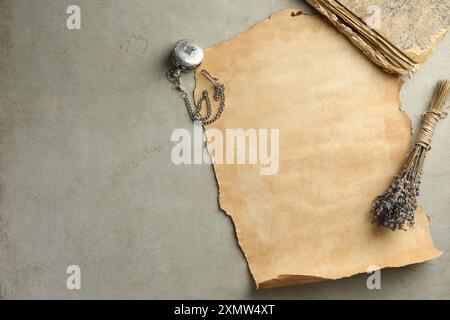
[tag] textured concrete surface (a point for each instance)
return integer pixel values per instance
(85, 170)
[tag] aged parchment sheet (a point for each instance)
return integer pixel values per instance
(342, 137)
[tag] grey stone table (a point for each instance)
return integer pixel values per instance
(86, 175)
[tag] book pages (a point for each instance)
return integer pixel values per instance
(396, 35)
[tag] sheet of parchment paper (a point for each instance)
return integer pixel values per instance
(342, 137)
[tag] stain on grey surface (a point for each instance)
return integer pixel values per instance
(6, 22)
(99, 5)
(133, 162)
(136, 44)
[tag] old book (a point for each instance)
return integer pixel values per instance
(396, 35)
(342, 137)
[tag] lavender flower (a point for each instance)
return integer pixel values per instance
(395, 208)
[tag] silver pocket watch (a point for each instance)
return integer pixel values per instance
(188, 56)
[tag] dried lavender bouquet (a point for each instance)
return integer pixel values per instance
(395, 208)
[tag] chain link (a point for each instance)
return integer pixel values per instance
(195, 112)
